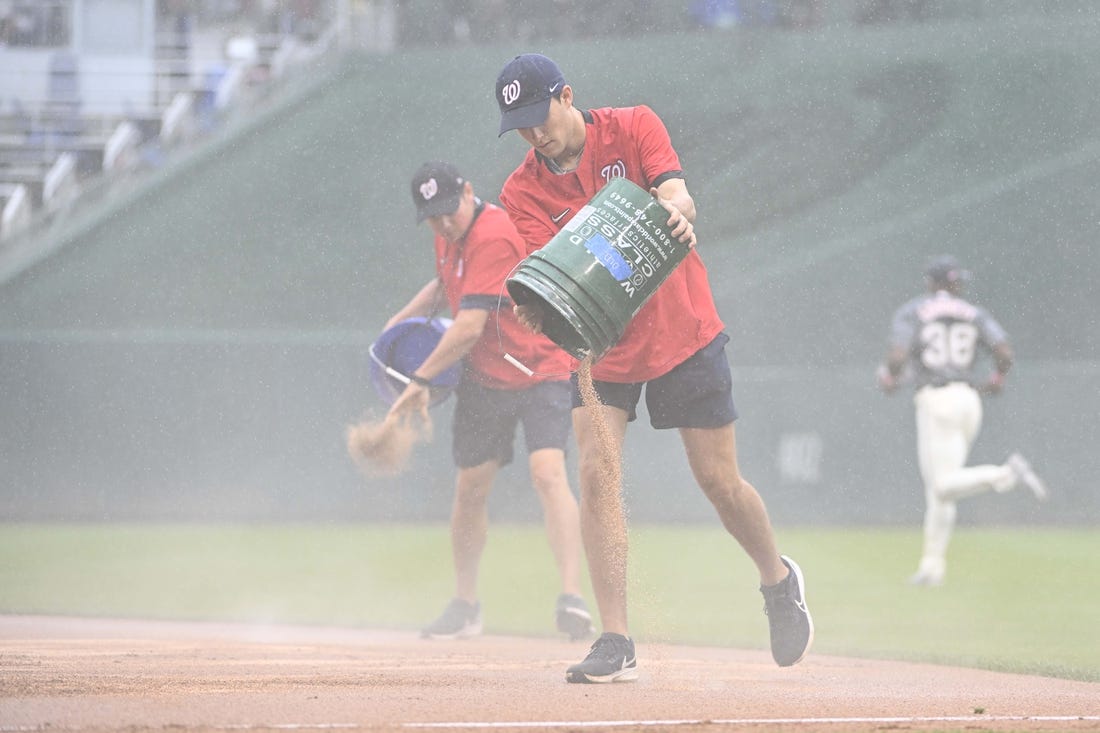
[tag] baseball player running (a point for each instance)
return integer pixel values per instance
(937, 337)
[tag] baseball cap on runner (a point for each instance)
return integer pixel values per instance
(525, 87)
(436, 190)
(946, 269)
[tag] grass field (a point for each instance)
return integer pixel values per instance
(1016, 599)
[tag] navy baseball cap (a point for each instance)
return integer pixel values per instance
(525, 87)
(436, 190)
(946, 269)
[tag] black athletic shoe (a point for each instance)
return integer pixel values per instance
(459, 620)
(611, 659)
(573, 618)
(792, 629)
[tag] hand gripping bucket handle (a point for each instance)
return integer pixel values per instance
(387, 368)
(400, 349)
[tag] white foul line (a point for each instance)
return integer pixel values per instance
(763, 721)
(535, 724)
(204, 726)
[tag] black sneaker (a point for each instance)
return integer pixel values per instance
(459, 620)
(610, 660)
(792, 629)
(573, 618)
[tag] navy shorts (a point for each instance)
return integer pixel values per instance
(485, 420)
(698, 393)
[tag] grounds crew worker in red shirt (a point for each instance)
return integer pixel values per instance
(476, 247)
(674, 349)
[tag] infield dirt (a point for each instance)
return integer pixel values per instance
(70, 674)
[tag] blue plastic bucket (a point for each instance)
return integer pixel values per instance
(401, 349)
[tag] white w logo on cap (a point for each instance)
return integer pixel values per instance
(428, 189)
(510, 93)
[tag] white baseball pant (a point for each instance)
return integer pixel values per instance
(948, 421)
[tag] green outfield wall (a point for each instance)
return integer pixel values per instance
(196, 347)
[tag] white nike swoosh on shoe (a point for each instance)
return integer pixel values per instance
(560, 216)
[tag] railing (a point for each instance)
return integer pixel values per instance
(17, 209)
(60, 186)
(99, 149)
(178, 122)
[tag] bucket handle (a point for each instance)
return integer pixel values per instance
(387, 368)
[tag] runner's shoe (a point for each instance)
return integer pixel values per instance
(572, 617)
(611, 659)
(926, 578)
(792, 629)
(1026, 475)
(459, 620)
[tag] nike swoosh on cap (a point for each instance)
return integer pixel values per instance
(555, 87)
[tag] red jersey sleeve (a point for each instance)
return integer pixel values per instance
(654, 145)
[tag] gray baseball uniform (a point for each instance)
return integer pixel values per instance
(943, 335)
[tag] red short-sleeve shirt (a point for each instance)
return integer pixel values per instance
(473, 271)
(629, 142)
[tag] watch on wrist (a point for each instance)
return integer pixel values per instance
(420, 380)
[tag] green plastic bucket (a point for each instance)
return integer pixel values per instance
(597, 272)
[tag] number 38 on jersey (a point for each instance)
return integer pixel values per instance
(948, 344)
